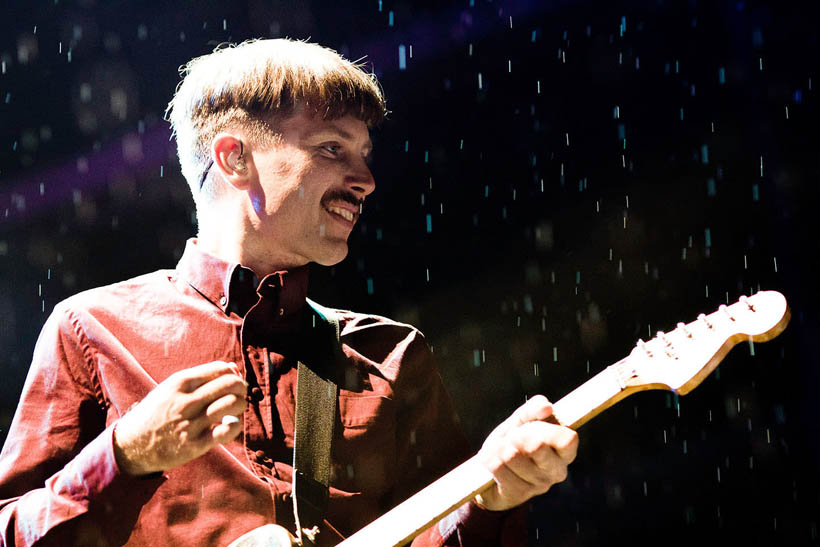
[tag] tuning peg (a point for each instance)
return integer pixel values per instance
(682, 327)
(643, 346)
(702, 317)
(725, 310)
(745, 300)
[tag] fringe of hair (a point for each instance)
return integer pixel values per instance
(255, 84)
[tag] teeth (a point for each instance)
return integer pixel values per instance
(344, 213)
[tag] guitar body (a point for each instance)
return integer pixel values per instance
(269, 535)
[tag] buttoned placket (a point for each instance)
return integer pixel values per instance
(265, 446)
(259, 417)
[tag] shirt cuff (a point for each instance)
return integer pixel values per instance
(473, 524)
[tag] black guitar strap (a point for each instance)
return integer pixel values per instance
(316, 396)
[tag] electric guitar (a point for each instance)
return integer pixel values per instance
(678, 361)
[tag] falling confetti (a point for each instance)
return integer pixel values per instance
(541, 127)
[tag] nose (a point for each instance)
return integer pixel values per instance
(360, 180)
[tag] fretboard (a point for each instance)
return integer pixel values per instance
(594, 396)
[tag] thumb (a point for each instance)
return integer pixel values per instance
(536, 408)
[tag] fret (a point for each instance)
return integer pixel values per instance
(594, 396)
(676, 361)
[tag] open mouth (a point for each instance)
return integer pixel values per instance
(342, 214)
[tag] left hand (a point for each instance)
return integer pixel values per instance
(181, 419)
(526, 455)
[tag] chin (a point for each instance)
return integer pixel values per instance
(332, 256)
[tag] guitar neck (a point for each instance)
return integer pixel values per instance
(420, 511)
(410, 518)
(677, 361)
(596, 395)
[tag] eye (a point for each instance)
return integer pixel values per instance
(332, 148)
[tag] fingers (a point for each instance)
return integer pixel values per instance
(229, 406)
(218, 392)
(181, 418)
(192, 378)
(536, 408)
(514, 486)
(226, 413)
(212, 390)
(527, 461)
(543, 442)
(537, 451)
(224, 432)
(541, 455)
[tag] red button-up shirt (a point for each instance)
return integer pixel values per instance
(103, 350)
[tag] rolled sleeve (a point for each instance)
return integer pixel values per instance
(58, 462)
(471, 525)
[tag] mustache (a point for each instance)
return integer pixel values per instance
(344, 195)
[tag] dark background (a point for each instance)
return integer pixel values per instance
(557, 180)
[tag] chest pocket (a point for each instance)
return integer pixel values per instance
(365, 446)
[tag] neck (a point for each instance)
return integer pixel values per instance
(229, 235)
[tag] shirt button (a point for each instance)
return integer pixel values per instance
(223, 301)
(256, 394)
(259, 454)
(285, 497)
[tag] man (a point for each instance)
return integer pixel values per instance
(160, 410)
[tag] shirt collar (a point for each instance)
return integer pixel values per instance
(211, 277)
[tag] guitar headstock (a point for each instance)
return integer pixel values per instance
(679, 360)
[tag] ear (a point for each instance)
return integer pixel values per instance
(230, 156)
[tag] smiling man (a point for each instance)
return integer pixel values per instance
(294, 202)
(160, 410)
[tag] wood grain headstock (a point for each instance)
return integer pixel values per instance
(679, 360)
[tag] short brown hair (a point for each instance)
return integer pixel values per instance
(257, 83)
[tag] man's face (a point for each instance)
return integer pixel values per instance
(311, 187)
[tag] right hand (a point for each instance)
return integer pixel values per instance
(181, 419)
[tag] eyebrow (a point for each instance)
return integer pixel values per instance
(338, 131)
